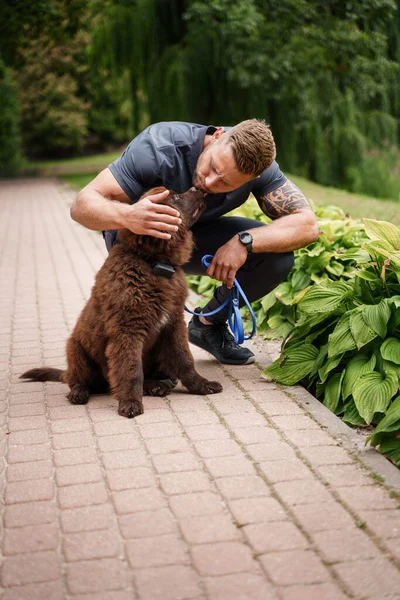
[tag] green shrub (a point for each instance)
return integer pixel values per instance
(10, 142)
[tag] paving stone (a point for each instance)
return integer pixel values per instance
(373, 578)
(208, 529)
(269, 452)
(196, 504)
(130, 501)
(257, 435)
(28, 453)
(167, 445)
(297, 422)
(30, 513)
(304, 439)
(157, 551)
(344, 475)
(207, 432)
(30, 568)
(24, 410)
(323, 591)
(239, 586)
(257, 510)
(327, 455)
(74, 474)
(245, 419)
(79, 439)
(112, 443)
(273, 537)
(242, 487)
(203, 417)
(159, 430)
(305, 491)
(27, 438)
(29, 470)
(125, 479)
(75, 456)
(328, 516)
(151, 523)
(366, 497)
(384, 523)
(32, 538)
(294, 567)
(98, 575)
(168, 583)
(29, 491)
(90, 545)
(86, 518)
(155, 414)
(70, 425)
(285, 470)
(350, 544)
(222, 558)
(85, 494)
(36, 591)
(176, 462)
(184, 483)
(230, 466)
(216, 448)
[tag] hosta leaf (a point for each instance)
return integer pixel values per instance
(391, 447)
(341, 339)
(384, 249)
(387, 364)
(373, 392)
(390, 350)
(359, 255)
(376, 316)
(332, 391)
(330, 364)
(394, 300)
(268, 301)
(335, 268)
(325, 298)
(360, 331)
(293, 365)
(351, 415)
(390, 422)
(383, 231)
(367, 275)
(300, 280)
(323, 351)
(357, 366)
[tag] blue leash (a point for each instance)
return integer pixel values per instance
(234, 317)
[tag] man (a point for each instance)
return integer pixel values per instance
(226, 164)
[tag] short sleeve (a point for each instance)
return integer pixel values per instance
(137, 168)
(271, 179)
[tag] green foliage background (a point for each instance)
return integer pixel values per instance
(325, 75)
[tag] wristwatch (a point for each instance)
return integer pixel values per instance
(246, 239)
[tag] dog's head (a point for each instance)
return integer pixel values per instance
(178, 248)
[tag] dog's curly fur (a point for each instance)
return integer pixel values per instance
(133, 322)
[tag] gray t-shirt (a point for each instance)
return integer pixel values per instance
(166, 154)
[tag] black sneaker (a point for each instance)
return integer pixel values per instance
(218, 341)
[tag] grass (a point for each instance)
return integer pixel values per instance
(79, 160)
(357, 205)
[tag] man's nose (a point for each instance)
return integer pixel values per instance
(210, 180)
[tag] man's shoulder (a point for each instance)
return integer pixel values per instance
(172, 133)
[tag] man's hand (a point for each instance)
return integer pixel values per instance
(227, 261)
(149, 217)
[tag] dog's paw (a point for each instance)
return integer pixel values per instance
(79, 395)
(130, 409)
(156, 388)
(206, 387)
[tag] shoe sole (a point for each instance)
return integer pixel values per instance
(198, 342)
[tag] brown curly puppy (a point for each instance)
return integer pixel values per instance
(133, 322)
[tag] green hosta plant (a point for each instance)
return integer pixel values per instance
(345, 341)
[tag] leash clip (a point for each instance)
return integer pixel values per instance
(163, 270)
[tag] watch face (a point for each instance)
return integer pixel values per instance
(246, 238)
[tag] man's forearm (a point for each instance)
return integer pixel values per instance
(93, 211)
(286, 234)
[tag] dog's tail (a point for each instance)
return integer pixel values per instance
(44, 374)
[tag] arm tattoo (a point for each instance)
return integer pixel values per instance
(285, 200)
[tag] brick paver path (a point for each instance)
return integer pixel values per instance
(239, 496)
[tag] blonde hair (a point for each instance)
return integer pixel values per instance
(252, 145)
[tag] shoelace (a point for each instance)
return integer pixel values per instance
(234, 317)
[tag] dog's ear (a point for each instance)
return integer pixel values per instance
(156, 190)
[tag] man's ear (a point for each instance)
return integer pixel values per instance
(217, 134)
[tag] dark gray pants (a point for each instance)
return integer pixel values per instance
(260, 274)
